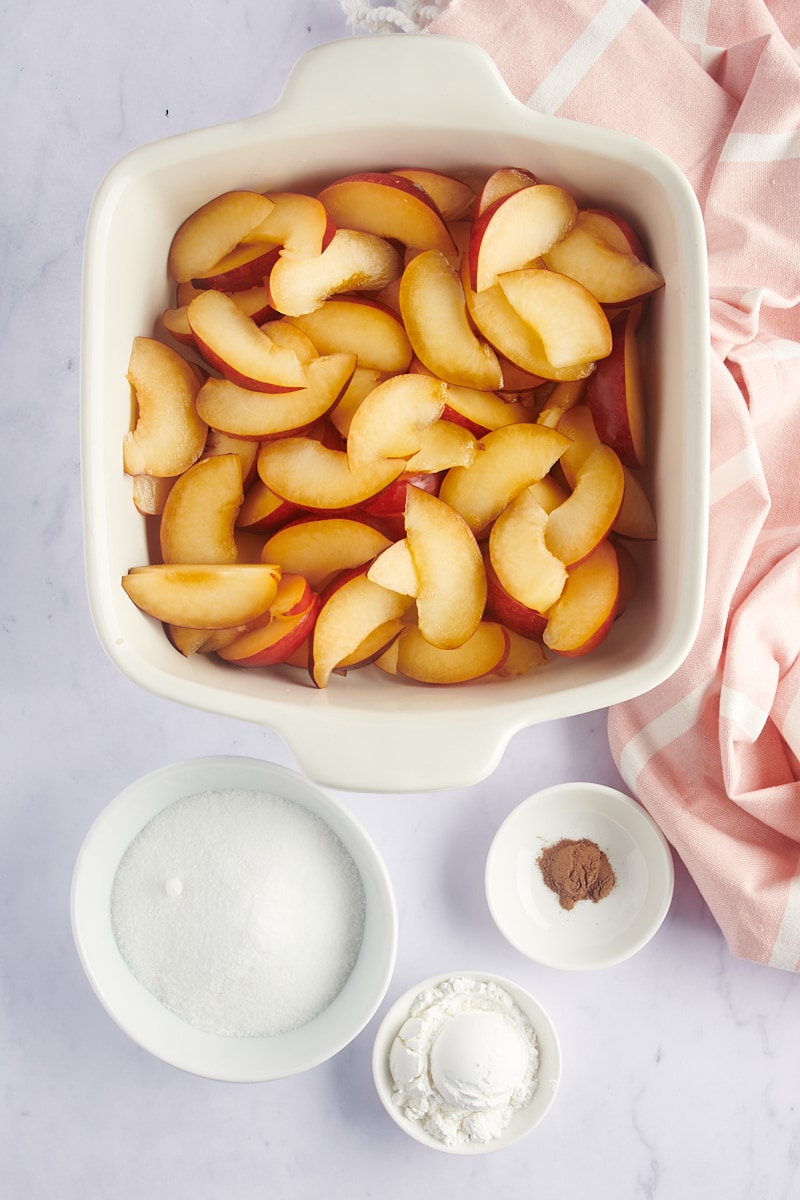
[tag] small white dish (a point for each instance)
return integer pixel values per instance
(140, 1014)
(591, 934)
(522, 1122)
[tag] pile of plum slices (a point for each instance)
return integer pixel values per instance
(398, 423)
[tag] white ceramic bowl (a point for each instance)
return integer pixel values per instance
(522, 1122)
(358, 104)
(140, 1014)
(591, 934)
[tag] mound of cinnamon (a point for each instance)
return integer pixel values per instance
(576, 870)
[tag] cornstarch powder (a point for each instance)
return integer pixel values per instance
(242, 912)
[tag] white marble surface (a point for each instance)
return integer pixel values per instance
(680, 1066)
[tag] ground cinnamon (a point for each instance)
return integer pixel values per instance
(576, 870)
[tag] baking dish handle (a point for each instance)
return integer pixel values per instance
(441, 79)
(372, 752)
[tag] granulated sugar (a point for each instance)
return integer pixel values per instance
(242, 912)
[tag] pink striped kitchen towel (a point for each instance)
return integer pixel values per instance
(713, 753)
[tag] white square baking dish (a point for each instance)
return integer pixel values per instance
(363, 104)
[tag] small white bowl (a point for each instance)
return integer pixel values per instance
(140, 1014)
(589, 935)
(522, 1122)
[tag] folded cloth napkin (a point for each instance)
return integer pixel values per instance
(713, 753)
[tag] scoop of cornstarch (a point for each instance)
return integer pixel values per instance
(464, 1061)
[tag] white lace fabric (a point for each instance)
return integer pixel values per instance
(404, 16)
